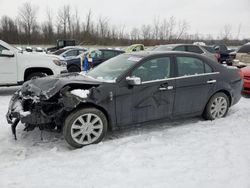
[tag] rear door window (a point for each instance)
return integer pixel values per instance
(191, 66)
(194, 49)
(108, 54)
(71, 53)
(180, 48)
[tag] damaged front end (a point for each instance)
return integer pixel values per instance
(45, 108)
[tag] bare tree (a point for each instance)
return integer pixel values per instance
(182, 29)
(238, 32)
(88, 21)
(227, 31)
(47, 27)
(164, 30)
(135, 34)
(156, 28)
(171, 25)
(146, 32)
(64, 20)
(8, 29)
(27, 18)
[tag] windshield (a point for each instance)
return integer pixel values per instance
(111, 69)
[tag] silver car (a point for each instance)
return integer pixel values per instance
(187, 48)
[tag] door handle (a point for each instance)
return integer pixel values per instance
(211, 81)
(166, 88)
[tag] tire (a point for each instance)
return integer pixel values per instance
(217, 107)
(85, 126)
(35, 75)
(74, 69)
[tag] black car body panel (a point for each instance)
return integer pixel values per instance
(47, 101)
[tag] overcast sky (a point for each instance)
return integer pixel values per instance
(204, 16)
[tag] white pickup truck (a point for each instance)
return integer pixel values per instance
(17, 67)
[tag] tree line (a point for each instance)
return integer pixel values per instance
(67, 24)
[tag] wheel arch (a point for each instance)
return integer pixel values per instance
(29, 71)
(103, 110)
(227, 93)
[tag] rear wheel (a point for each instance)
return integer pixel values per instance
(35, 75)
(85, 126)
(217, 107)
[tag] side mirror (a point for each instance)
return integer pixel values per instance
(7, 53)
(133, 81)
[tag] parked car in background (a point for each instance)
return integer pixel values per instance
(28, 49)
(186, 48)
(126, 90)
(243, 53)
(18, 67)
(97, 57)
(224, 52)
(39, 49)
(135, 48)
(246, 77)
(212, 51)
(61, 43)
(70, 52)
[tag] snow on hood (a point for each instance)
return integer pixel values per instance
(82, 93)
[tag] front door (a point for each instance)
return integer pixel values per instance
(8, 69)
(151, 100)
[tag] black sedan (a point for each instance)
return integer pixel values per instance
(126, 90)
(97, 57)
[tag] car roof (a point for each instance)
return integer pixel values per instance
(152, 53)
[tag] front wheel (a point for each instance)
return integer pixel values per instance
(217, 107)
(85, 126)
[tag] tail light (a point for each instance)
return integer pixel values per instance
(241, 73)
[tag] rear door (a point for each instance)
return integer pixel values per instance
(194, 82)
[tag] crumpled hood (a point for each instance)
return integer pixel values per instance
(47, 87)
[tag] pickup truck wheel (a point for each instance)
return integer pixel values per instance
(35, 75)
(85, 126)
(74, 69)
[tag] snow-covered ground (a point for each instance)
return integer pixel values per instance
(186, 153)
